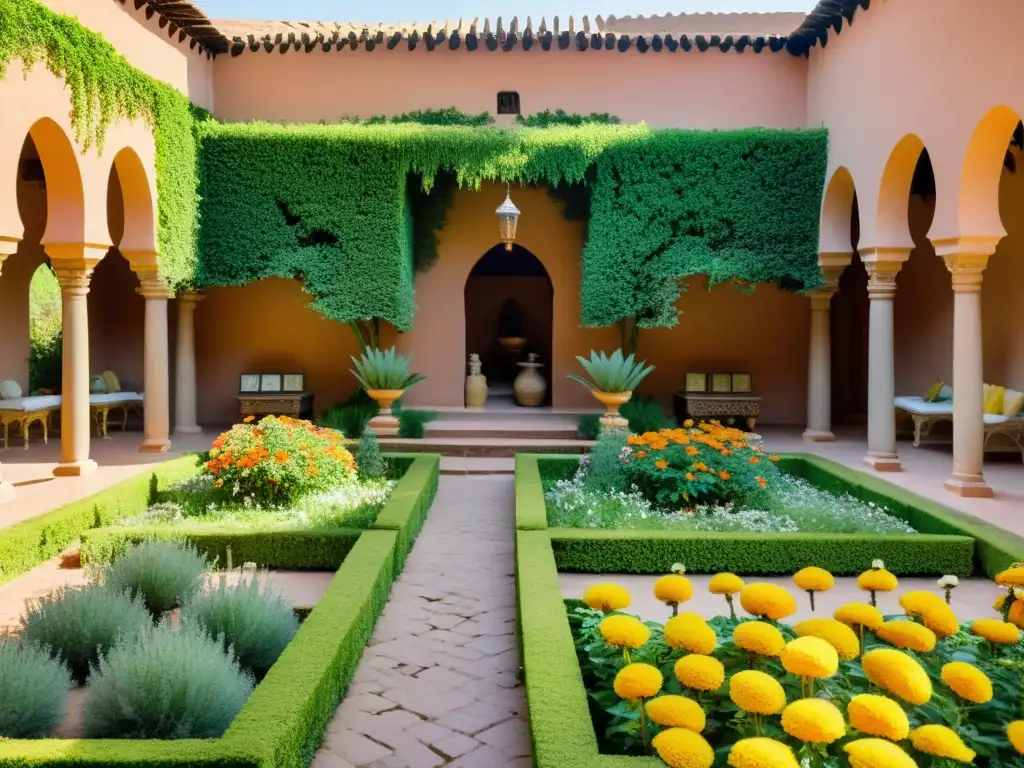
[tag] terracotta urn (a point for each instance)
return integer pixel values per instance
(384, 423)
(530, 387)
(612, 401)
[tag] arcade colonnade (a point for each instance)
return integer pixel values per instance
(964, 233)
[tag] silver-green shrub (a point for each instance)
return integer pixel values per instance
(79, 624)
(163, 573)
(251, 621)
(33, 690)
(165, 684)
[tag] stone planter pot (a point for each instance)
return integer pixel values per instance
(529, 387)
(384, 423)
(612, 401)
(476, 391)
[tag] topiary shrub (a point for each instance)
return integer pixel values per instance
(33, 689)
(413, 424)
(353, 415)
(645, 414)
(369, 461)
(163, 684)
(80, 624)
(605, 470)
(250, 621)
(589, 426)
(162, 573)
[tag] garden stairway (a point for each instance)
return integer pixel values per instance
(438, 683)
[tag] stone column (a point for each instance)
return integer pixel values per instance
(819, 369)
(882, 268)
(8, 246)
(966, 261)
(185, 368)
(157, 403)
(74, 263)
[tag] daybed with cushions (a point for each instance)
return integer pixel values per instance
(1003, 414)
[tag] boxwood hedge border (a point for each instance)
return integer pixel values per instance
(283, 722)
(948, 542)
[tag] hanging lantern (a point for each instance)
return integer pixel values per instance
(508, 218)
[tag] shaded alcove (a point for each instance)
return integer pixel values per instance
(517, 282)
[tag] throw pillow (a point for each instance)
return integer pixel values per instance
(932, 395)
(1013, 403)
(113, 385)
(994, 401)
(945, 394)
(97, 386)
(10, 389)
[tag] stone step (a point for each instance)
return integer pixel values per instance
(461, 465)
(525, 429)
(495, 447)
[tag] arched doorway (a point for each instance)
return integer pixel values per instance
(509, 294)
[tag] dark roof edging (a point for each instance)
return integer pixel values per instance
(826, 16)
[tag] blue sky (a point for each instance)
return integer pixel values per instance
(416, 10)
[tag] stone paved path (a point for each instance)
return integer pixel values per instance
(438, 685)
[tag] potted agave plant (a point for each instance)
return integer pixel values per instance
(385, 376)
(612, 379)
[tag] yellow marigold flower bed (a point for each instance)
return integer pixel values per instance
(689, 632)
(853, 614)
(606, 597)
(701, 673)
(878, 716)
(907, 634)
(814, 720)
(940, 741)
(877, 753)
(967, 681)
(621, 631)
(809, 657)
(725, 584)
(677, 712)
(761, 753)
(996, 631)
(682, 748)
(877, 580)
(833, 632)
(759, 637)
(754, 691)
(1015, 733)
(1012, 577)
(770, 600)
(932, 610)
(1016, 616)
(814, 579)
(673, 589)
(638, 681)
(898, 673)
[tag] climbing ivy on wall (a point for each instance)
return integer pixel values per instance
(104, 88)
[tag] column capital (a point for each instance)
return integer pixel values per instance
(190, 299)
(977, 245)
(821, 298)
(141, 260)
(882, 278)
(154, 287)
(75, 256)
(833, 264)
(966, 270)
(73, 281)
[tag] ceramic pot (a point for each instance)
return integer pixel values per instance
(612, 401)
(384, 423)
(530, 387)
(476, 391)
(512, 344)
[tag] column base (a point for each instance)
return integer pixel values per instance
(154, 445)
(818, 436)
(969, 486)
(188, 429)
(6, 491)
(75, 468)
(884, 462)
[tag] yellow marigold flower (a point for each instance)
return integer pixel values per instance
(1016, 616)
(862, 614)
(689, 632)
(833, 632)
(638, 681)
(763, 599)
(907, 634)
(761, 753)
(932, 610)
(682, 748)
(606, 597)
(676, 712)
(754, 691)
(878, 716)
(725, 584)
(673, 589)
(898, 673)
(701, 673)
(1015, 733)
(758, 637)
(621, 631)
(967, 681)
(877, 580)
(1013, 576)
(814, 579)
(661, 464)
(940, 741)
(877, 753)
(810, 657)
(996, 631)
(814, 720)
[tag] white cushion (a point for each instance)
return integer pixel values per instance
(39, 403)
(918, 406)
(996, 418)
(10, 389)
(115, 397)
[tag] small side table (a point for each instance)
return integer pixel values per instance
(298, 405)
(708, 406)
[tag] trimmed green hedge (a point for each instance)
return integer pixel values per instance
(31, 542)
(948, 542)
(407, 508)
